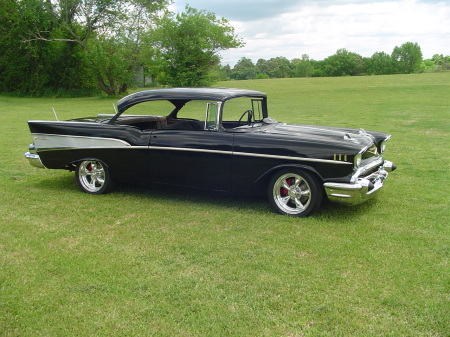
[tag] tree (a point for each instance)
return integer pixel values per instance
(23, 66)
(407, 58)
(343, 63)
(276, 67)
(303, 67)
(379, 64)
(113, 62)
(263, 66)
(187, 46)
(244, 70)
(83, 19)
(442, 62)
(280, 67)
(61, 41)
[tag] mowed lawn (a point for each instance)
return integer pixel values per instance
(173, 262)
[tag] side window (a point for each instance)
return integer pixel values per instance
(212, 114)
(235, 108)
(194, 110)
(151, 108)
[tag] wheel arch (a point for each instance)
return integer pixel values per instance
(73, 164)
(264, 179)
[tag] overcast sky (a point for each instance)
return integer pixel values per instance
(290, 28)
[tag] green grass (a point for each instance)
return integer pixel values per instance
(169, 262)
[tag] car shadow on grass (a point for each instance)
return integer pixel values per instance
(170, 194)
(208, 198)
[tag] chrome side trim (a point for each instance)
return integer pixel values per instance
(50, 141)
(329, 161)
(94, 148)
(46, 142)
(189, 149)
(247, 154)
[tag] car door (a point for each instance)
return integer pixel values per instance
(193, 158)
(193, 153)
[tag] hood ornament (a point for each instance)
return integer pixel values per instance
(363, 132)
(349, 138)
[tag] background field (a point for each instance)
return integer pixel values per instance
(170, 262)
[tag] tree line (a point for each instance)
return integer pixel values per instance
(404, 59)
(82, 47)
(85, 47)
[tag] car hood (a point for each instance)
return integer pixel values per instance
(345, 137)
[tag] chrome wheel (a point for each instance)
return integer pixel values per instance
(294, 192)
(93, 177)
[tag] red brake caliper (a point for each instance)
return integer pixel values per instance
(284, 191)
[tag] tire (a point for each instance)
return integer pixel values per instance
(294, 192)
(93, 177)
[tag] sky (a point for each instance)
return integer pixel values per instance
(318, 28)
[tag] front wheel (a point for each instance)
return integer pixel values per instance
(295, 192)
(93, 177)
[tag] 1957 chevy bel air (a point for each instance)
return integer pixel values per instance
(218, 139)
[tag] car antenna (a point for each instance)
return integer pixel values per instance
(54, 112)
(115, 108)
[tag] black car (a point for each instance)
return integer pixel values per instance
(217, 139)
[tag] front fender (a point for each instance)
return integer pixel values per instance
(265, 177)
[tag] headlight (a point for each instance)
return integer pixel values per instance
(383, 146)
(357, 160)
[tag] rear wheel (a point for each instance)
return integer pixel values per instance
(295, 192)
(93, 177)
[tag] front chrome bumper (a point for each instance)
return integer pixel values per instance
(362, 189)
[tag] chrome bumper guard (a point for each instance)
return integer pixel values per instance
(361, 189)
(33, 158)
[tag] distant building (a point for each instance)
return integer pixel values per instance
(140, 80)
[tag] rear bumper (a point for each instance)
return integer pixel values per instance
(34, 160)
(362, 189)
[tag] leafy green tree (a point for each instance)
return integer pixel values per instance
(114, 63)
(304, 67)
(82, 20)
(442, 62)
(21, 69)
(187, 46)
(263, 66)
(407, 58)
(60, 41)
(244, 70)
(224, 72)
(276, 67)
(280, 67)
(379, 64)
(343, 63)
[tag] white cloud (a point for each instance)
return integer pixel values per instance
(319, 28)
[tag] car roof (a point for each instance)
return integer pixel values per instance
(185, 94)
